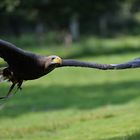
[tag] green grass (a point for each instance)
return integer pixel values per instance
(87, 46)
(75, 104)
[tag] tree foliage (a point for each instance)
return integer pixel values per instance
(57, 14)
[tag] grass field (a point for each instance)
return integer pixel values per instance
(76, 104)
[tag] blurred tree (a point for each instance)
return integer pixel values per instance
(8, 5)
(94, 16)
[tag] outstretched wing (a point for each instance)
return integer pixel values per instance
(131, 64)
(74, 63)
(9, 52)
(14, 56)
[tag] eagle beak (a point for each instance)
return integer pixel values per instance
(57, 60)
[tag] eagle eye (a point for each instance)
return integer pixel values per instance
(52, 58)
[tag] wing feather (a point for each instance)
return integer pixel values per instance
(74, 63)
(15, 56)
(126, 65)
(10, 52)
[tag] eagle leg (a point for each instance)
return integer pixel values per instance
(19, 84)
(9, 92)
(5, 73)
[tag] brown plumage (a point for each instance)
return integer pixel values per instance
(23, 65)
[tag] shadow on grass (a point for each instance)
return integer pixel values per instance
(57, 97)
(135, 136)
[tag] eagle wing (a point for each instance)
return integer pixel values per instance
(10, 53)
(15, 57)
(75, 63)
(126, 65)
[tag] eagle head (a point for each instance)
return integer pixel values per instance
(52, 62)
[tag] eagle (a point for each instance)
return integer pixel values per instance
(24, 65)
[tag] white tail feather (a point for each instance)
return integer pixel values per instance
(1, 78)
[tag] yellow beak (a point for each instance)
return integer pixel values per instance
(57, 60)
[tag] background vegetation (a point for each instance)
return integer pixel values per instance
(100, 18)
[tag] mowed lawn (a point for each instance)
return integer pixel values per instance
(75, 104)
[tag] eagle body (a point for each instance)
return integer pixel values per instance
(28, 67)
(24, 65)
